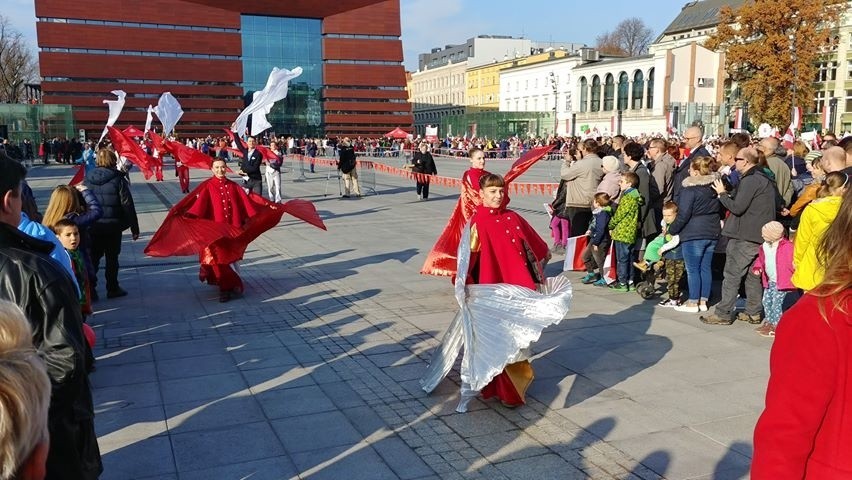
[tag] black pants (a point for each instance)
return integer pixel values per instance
(106, 243)
(594, 259)
(255, 185)
(423, 189)
(580, 218)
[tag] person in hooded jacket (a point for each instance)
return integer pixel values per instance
(816, 218)
(112, 191)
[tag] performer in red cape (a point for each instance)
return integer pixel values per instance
(505, 249)
(217, 221)
(441, 260)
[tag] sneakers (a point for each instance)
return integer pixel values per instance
(641, 266)
(687, 308)
(669, 303)
(714, 319)
(601, 282)
(591, 277)
(752, 319)
(766, 330)
(702, 307)
(619, 287)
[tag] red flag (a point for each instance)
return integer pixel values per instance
(788, 139)
(78, 177)
(132, 151)
(188, 156)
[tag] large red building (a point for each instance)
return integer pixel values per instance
(210, 53)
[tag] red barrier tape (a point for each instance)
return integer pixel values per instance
(515, 188)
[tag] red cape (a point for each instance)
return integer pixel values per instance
(441, 260)
(198, 225)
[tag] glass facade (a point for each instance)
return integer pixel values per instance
(286, 43)
(37, 122)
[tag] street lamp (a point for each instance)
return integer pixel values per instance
(554, 82)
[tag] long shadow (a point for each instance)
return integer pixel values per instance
(328, 215)
(731, 465)
(599, 351)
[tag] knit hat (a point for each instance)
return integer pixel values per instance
(611, 164)
(812, 155)
(772, 232)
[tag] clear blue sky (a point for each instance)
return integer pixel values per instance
(435, 23)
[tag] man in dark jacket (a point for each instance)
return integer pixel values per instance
(347, 165)
(694, 140)
(752, 205)
(39, 286)
(424, 164)
(250, 166)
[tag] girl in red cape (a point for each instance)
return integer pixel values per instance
(217, 221)
(505, 249)
(441, 260)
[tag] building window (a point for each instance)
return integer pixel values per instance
(819, 101)
(526, 105)
(596, 94)
(638, 88)
(584, 94)
(848, 101)
(609, 93)
(649, 103)
(623, 91)
(535, 103)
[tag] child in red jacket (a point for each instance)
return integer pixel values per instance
(775, 266)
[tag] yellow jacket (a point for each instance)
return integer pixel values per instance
(816, 218)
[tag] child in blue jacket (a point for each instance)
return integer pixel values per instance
(599, 240)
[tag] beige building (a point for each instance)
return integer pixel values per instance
(437, 92)
(483, 82)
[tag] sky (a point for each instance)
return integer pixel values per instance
(435, 23)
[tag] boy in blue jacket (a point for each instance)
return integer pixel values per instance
(599, 240)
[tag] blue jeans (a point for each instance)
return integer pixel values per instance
(624, 259)
(698, 255)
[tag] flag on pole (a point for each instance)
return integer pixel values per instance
(79, 175)
(131, 150)
(115, 107)
(816, 143)
(738, 119)
(149, 119)
(275, 90)
(796, 122)
(670, 119)
(169, 112)
(788, 139)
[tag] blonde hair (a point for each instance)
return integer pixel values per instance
(63, 200)
(24, 392)
(106, 158)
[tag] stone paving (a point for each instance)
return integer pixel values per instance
(313, 373)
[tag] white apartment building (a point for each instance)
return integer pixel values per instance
(437, 92)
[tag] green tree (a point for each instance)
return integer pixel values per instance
(772, 48)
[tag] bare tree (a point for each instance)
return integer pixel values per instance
(17, 63)
(631, 37)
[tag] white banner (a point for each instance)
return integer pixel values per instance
(115, 107)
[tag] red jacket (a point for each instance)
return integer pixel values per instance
(805, 432)
(783, 266)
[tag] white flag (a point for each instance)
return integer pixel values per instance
(115, 107)
(259, 122)
(149, 119)
(169, 112)
(275, 90)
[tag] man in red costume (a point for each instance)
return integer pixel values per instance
(217, 221)
(182, 172)
(505, 249)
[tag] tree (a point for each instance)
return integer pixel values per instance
(772, 48)
(631, 37)
(17, 65)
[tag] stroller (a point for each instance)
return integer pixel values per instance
(647, 288)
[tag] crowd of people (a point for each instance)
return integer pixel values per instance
(727, 218)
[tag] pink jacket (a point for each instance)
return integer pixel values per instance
(783, 266)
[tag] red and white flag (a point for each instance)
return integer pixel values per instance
(816, 143)
(788, 139)
(738, 119)
(796, 122)
(670, 118)
(574, 257)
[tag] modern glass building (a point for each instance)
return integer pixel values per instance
(283, 42)
(212, 54)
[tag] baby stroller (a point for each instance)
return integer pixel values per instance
(647, 287)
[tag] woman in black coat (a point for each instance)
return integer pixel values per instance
(423, 163)
(112, 190)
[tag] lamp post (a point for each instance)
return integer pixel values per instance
(554, 83)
